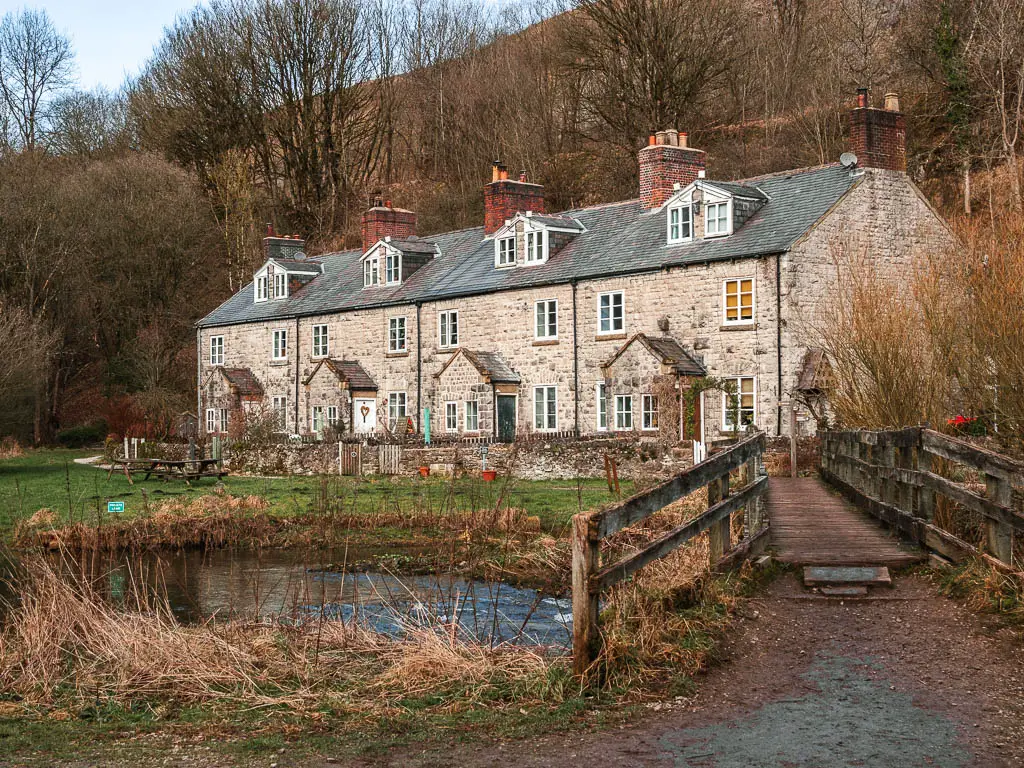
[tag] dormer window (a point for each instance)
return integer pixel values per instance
(280, 285)
(371, 272)
(261, 288)
(393, 267)
(506, 252)
(716, 219)
(680, 223)
(535, 251)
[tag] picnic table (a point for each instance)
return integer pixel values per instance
(168, 469)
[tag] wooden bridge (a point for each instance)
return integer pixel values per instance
(872, 508)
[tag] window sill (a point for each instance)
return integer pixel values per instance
(278, 363)
(318, 357)
(447, 350)
(545, 342)
(610, 336)
(390, 355)
(738, 327)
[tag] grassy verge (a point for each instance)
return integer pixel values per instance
(986, 590)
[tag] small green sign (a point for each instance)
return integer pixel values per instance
(115, 506)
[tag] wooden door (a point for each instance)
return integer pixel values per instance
(506, 418)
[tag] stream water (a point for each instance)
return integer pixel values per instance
(284, 585)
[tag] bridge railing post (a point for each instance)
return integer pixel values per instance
(586, 561)
(999, 535)
(925, 507)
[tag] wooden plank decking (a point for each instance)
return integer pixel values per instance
(811, 525)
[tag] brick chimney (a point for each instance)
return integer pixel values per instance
(505, 197)
(666, 161)
(382, 220)
(878, 137)
(283, 246)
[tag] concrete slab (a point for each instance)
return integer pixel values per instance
(832, 576)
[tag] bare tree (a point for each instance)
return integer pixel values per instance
(88, 124)
(35, 65)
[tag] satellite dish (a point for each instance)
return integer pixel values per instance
(848, 160)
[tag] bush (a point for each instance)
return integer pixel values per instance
(78, 437)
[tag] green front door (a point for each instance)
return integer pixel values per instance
(506, 418)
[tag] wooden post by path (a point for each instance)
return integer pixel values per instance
(793, 469)
(719, 533)
(999, 535)
(586, 561)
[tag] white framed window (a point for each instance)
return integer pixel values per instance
(649, 412)
(601, 398)
(451, 417)
(321, 345)
(472, 416)
(318, 419)
(216, 350)
(332, 415)
(371, 272)
(746, 394)
(546, 320)
(680, 223)
(216, 420)
(279, 404)
(261, 287)
(716, 219)
(448, 328)
(611, 312)
(393, 268)
(738, 301)
(396, 335)
(535, 250)
(545, 408)
(505, 256)
(624, 412)
(280, 285)
(397, 408)
(280, 345)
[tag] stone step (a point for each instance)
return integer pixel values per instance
(846, 576)
(844, 591)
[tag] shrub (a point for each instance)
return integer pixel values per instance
(80, 436)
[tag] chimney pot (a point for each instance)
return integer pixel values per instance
(381, 223)
(892, 102)
(862, 98)
(684, 139)
(661, 135)
(665, 164)
(878, 137)
(672, 137)
(522, 176)
(270, 229)
(505, 197)
(651, 140)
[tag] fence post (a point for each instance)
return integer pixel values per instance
(904, 460)
(999, 535)
(719, 533)
(586, 560)
(925, 495)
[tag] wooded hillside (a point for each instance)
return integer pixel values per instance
(126, 216)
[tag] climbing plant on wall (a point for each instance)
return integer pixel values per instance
(725, 386)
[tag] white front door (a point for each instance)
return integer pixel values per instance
(364, 414)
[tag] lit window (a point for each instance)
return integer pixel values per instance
(547, 319)
(680, 223)
(472, 416)
(649, 408)
(396, 334)
(396, 408)
(451, 417)
(739, 300)
(371, 275)
(716, 219)
(602, 406)
(534, 247)
(746, 388)
(280, 285)
(393, 267)
(261, 288)
(545, 409)
(216, 350)
(611, 316)
(506, 251)
(623, 412)
(280, 349)
(320, 346)
(280, 406)
(449, 328)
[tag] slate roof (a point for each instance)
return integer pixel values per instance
(414, 246)
(668, 351)
(489, 364)
(348, 371)
(298, 264)
(620, 238)
(739, 190)
(244, 382)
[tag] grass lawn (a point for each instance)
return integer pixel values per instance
(50, 479)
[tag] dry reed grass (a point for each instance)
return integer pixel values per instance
(10, 449)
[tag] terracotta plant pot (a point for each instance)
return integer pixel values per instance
(489, 475)
(424, 471)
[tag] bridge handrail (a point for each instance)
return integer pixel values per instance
(589, 528)
(891, 472)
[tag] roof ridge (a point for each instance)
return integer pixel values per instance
(791, 172)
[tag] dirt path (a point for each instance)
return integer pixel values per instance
(913, 680)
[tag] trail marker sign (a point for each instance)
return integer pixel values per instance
(115, 506)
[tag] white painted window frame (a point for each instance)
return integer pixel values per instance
(728, 217)
(316, 425)
(394, 323)
(501, 252)
(280, 290)
(726, 427)
(326, 350)
(645, 411)
(275, 334)
(474, 406)
(536, 242)
(553, 404)
(611, 316)
(740, 320)
(332, 415)
(371, 271)
(279, 405)
(622, 411)
(217, 350)
(398, 407)
(260, 287)
(216, 421)
(444, 336)
(601, 403)
(679, 208)
(392, 264)
(547, 304)
(451, 416)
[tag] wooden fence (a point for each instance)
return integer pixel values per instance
(589, 528)
(890, 474)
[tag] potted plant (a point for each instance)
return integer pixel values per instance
(424, 471)
(489, 475)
